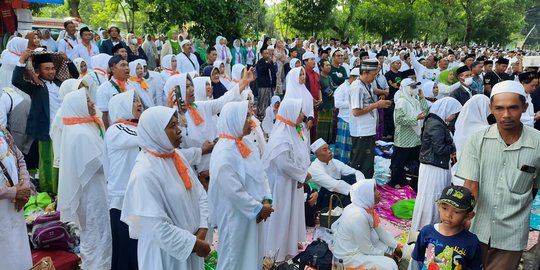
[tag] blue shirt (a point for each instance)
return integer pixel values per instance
(457, 252)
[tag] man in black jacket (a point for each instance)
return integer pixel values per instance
(45, 102)
(108, 44)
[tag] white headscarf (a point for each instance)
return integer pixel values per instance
(352, 60)
(14, 49)
(471, 119)
(133, 67)
(427, 89)
(199, 84)
(82, 159)
(237, 72)
(445, 107)
(78, 62)
(57, 125)
(166, 62)
(155, 189)
(299, 91)
(173, 81)
(362, 194)
(226, 154)
(221, 50)
(101, 61)
(121, 106)
(286, 138)
(410, 104)
(292, 63)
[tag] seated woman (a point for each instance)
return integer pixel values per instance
(359, 240)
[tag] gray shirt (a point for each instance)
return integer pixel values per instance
(504, 194)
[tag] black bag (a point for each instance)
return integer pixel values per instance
(285, 266)
(316, 255)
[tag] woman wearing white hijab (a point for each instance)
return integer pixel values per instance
(223, 53)
(286, 161)
(96, 77)
(223, 75)
(165, 206)
(237, 72)
(168, 67)
(296, 88)
(82, 66)
(203, 88)
(144, 89)
(434, 173)
(121, 150)
(431, 92)
(201, 129)
(270, 115)
(82, 190)
(57, 125)
(239, 194)
(359, 238)
(471, 119)
(14, 193)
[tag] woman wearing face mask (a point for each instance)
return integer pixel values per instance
(134, 49)
(437, 147)
(409, 114)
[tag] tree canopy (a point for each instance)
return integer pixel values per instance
(493, 22)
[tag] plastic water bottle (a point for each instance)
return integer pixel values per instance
(340, 265)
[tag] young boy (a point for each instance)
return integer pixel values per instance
(449, 245)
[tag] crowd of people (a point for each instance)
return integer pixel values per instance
(153, 146)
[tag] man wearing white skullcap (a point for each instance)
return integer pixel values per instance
(187, 61)
(331, 175)
(504, 161)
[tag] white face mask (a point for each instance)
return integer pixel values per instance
(468, 81)
(134, 41)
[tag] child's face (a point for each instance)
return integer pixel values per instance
(452, 217)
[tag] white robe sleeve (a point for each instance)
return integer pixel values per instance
(173, 240)
(358, 222)
(267, 123)
(216, 104)
(287, 165)
(418, 68)
(386, 238)
(203, 203)
(323, 179)
(192, 155)
(446, 90)
(341, 99)
(231, 186)
(344, 169)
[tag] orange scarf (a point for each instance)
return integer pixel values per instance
(88, 47)
(376, 219)
(292, 124)
(181, 168)
(140, 81)
(126, 122)
(244, 149)
(172, 72)
(84, 120)
(197, 118)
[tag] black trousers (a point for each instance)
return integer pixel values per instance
(389, 121)
(363, 155)
(400, 158)
(323, 201)
(124, 249)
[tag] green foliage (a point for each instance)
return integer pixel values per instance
(310, 16)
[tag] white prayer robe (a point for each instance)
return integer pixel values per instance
(527, 118)
(286, 161)
(257, 136)
(161, 213)
(14, 245)
(329, 175)
(106, 91)
(184, 63)
(237, 188)
(66, 45)
(356, 240)
(82, 189)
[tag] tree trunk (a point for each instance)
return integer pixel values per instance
(74, 8)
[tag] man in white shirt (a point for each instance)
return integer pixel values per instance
(363, 123)
(187, 61)
(427, 72)
(86, 49)
(68, 43)
(117, 84)
(331, 175)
